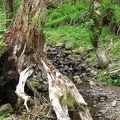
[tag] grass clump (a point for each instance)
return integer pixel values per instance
(67, 14)
(2, 20)
(77, 35)
(117, 14)
(107, 35)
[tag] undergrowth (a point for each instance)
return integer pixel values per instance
(112, 80)
(67, 15)
(2, 19)
(71, 24)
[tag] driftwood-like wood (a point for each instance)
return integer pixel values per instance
(63, 94)
(20, 87)
(26, 41)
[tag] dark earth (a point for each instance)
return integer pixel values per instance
(103, 99)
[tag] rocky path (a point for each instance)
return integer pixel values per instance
(103, 99)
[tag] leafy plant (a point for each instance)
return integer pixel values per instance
(114, 80)
(24, 112)
(106, 5)
(66, 14)
(117, 14)
(4, 115)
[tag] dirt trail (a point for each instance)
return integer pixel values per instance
(103, 99)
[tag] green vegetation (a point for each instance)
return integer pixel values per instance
(4, 115)
(2, 44)
(114, 80)
(116, 12)
(2, 19)
(70, 100)
(35, 83)
(71, 24)
(67, 15)
(77, 35)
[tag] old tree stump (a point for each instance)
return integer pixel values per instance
(25, 56)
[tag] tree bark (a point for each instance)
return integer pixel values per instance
(97, 43)
(26, 41)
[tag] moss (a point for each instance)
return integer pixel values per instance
(35, 83)
(60, 98)
(3, 44)
(36, 21)
(70, 100)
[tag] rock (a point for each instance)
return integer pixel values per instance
(83, 67)
(6, 108)
(103, 111)
(59, 44)
(68, 46)
(88, 69)
(93, 72)
(44, 88)
(102, 97)
(67, 52)
(77, 79)
(114, 103)
(79, 51)
(92, 83)
(83, 74)
(90, 50)
(66, 67)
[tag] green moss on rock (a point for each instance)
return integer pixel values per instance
(35, 83)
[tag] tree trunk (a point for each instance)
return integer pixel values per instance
(97, 43)
(26, 41)
(8, 11)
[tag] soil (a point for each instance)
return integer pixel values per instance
(103, 99)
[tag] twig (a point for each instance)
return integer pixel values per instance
(45, 99)
(115, 71)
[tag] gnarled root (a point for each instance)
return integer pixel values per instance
(63, 93)
(20, 87)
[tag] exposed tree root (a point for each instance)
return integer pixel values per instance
(20, 87)
(63, 94)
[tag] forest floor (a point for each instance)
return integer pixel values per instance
(103, 99)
